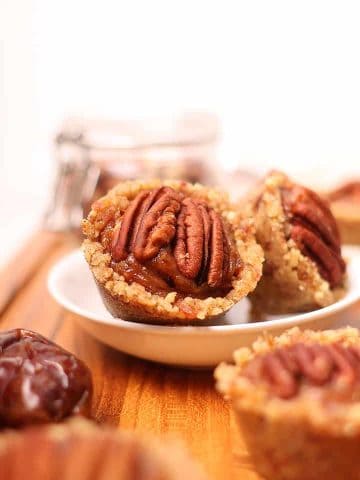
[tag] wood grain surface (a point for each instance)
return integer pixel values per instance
(129, 393)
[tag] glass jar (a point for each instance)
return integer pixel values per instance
(94, 155)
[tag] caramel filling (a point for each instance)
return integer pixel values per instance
(167, 241)
(288, 369)
(315, 232)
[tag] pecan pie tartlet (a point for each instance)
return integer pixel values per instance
(297, 402)
(80, 450)
(303, 269)
(345, 205)
(170, 252)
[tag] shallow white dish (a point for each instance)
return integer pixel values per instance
(71, 283)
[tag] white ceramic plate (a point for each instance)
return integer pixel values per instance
(71, 284)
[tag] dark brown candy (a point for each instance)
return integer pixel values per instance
(40, 381)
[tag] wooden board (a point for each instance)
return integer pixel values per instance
(129, 393)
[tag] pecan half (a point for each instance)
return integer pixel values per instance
(148, 224)
(189, 245)
(218, 245)
(187, 229)
(314, 231)
(285, 369)
(330, 264)
(207, 232)
(157, 225)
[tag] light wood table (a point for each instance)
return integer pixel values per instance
(129, 393)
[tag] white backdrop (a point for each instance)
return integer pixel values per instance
(283, 76)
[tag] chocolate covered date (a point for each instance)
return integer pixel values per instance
(40, 381)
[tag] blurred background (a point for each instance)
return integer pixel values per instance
(279, 81)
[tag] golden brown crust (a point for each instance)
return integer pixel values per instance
(132, 301)
(291, 281)
(297, 438)
(81, 450)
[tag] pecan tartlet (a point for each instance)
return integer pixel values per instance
(297, 402)
(81, 450)
(345, 205)
(170, 252)
(304, 268)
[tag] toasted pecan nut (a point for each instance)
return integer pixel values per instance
(190, 239)
(191, 232)
(285, 369)
(207, 232)
(148, 224)
(157, 227)
(305, 205)
(330, 264)
(315, 231)
(217, 264)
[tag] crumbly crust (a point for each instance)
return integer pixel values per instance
(132, 301)
(291, 281)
